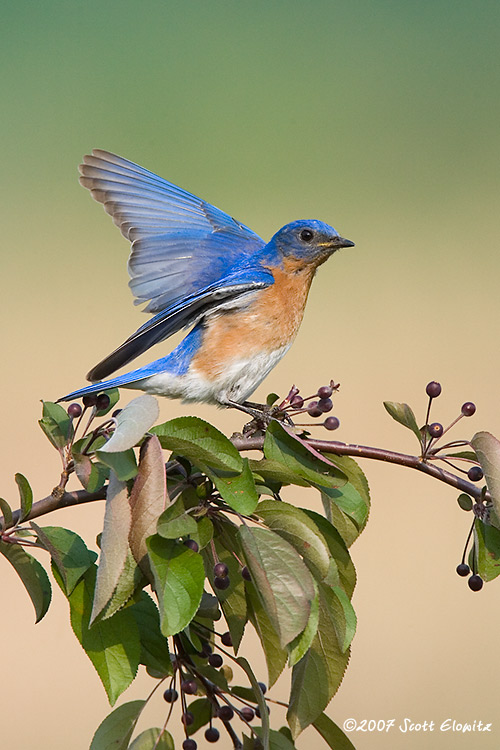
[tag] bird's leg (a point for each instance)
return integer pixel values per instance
(259, 412)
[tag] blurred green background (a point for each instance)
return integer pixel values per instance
(380, 118)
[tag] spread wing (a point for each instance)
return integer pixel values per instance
(188, 258)
(180, 243)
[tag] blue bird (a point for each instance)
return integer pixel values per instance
(197, 267)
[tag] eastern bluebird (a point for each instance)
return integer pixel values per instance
(196, 266)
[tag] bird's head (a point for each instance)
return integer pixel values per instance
(310, 241)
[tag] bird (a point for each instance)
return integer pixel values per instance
(196, 267)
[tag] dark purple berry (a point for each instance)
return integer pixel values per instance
(222, 583)
(475, 473)
(215, 660)
(221, 570)
(206, 649)
(189, 686)
(331, 423)
(325, 391)
(225, 713)
(226, 639)
(247, 713)
(191, 544)
(263, 687)
(245, 573)
(313, 410)
(187, 718)
(468, 409)
(103, 401)
(463, 569)
(212, 734)
(435, 429)
(90, 399)
(257, 711)
(74, 411)
(297, 402)
(170, 695)
(475, 583)
(115, 413)
(325, 404)
(433, 389)
(189, 744)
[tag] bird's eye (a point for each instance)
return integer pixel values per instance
(306, 235)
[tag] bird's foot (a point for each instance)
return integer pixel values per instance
(262, 415)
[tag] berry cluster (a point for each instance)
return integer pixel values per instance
(190, 678)
(317, 405)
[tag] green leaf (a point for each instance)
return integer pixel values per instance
(237, 489)
(114, 544)
(487, 543)
(317, 676)
(123, 464)
(487, 448)
(56, 424)
(275, 473)
(332, 734)
(131, 423)
(271, 398)
(154, 646)
(32, 574)
(175, 522)
(113, 645)
(277, 740)
(147, 500)
(300, 531)
(302, 643)
(148, 740)
(199, 441)
(26, 495)
(345, 526)
(68, 551)
(282, 580)
(130, 582)
(202, 713)
(92, 475)
(287, 449)
(403, 414)
(179, 577)
(338, 550)
(116, 730)
(264, 715)
(343, 614)
(276, 657)
(7, 521)
(204, 532)
(465, 501)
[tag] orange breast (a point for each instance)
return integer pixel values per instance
(270, 322)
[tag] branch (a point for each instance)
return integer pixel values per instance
(378, 454)
(50, 503)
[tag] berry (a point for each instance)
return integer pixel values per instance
(222, 583)
(297, 402)
(475, 473)
(225, 713)
(187, 718)
(435, 429)
(475, 583)
(170, 695)
(463, 569)
(221, 570)
(206, 649)
(325, 404)
(226, 639)
(115, 413)
(212, 734)
(263, 687)
(257, 712)
(468, 409)
(247, 713)
(74, 410)
(325, 391)
(189, 686)
(191, 544)
(245, 573)
(189, 744)
(313, 409)
(215, 660)
(103, 401)
(433, 389)
(90, 400)
(331, 423)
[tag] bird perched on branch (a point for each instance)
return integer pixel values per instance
(197, 267)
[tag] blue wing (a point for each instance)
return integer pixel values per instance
(180, 243)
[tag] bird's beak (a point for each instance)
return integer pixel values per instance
(338, 242)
